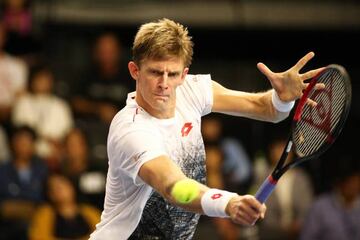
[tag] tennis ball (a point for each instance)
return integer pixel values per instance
(185, 191)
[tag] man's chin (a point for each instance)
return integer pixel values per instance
(162, 104)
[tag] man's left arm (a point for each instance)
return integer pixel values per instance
(273, 105)
(251, 105)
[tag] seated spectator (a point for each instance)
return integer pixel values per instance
(49, 115)
(13, 79)
(335, 215)
(88, 178)
(4, 147)
(235, 165)
(228, 167)
(101, 93)
(104, 88)
(290, 201)
(17, 19)
(63, 217)
(21, 185)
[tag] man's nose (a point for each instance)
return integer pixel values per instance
(164, 81)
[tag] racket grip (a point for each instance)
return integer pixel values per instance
(265, 189)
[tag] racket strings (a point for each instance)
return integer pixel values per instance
(317, 124)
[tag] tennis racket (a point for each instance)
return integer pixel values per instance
(314, 129)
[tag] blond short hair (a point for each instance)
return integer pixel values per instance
(162, 39)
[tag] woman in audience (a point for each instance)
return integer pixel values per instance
(49, 115)
(63, 217)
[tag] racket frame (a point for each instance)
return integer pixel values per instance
(269, 184)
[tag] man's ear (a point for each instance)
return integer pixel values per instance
(134, 70)
(184, 73)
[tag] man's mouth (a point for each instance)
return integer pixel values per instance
(161, 95)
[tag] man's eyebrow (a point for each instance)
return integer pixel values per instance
(151, 69)
(175, 72)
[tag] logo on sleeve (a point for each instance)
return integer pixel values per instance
(186, 129)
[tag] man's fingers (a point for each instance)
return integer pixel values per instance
(301, 63)
(264, 70)
(240, 221)
(251, 210)
(254, 204)
(317, 86)
(248, 218)
(312, 103)
(311, 74)
(263, 210)
(246, 210)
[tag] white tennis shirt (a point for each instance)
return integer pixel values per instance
(136, 137)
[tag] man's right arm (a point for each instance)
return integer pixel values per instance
(161, 173)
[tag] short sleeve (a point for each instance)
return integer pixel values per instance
(133, 149)
(197, 90)
(20, 74)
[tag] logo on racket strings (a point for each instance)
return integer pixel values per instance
(320, 116)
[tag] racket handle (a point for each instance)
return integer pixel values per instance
(265, 189)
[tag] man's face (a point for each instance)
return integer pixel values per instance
(157, 81)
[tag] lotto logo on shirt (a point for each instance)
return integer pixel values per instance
(186, 129)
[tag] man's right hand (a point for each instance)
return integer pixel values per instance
(245, 210)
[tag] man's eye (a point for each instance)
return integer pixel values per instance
(173, 74)
(157, 73)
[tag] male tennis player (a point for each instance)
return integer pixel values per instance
(155, 140)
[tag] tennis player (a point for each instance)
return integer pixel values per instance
(155, 140)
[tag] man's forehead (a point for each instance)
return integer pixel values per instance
(169, 64)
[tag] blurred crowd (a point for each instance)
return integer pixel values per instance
(53, 152)
(300, 207)
(53, 149)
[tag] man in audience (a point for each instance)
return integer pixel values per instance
(104, 87)
(49, 115)
(335, 215)
(290, 201)
(13, 79)
(22, 182)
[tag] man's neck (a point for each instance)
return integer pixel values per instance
(159, 114)
(167, 113)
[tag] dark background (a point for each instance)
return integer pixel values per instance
(230, 52)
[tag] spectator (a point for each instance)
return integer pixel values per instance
(235, 164)
(228, 167)
(336, 214)
(101, 93)
(17, 19)
(4, 147)
(13, 79)
(290, 200)
(49, 115)
(63, 217)
(21, 185)
(105, 86)
(88, 179)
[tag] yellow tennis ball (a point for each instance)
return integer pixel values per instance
(185, 191)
